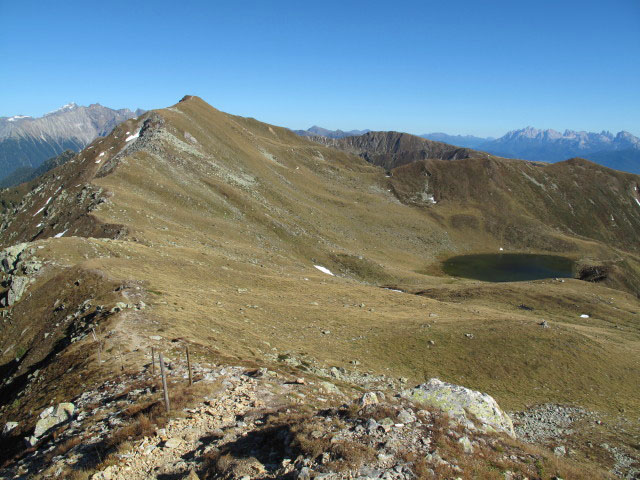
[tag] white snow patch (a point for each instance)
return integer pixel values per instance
(133, 137)
(58, 235)
(101, 155)
(47, 203)
(432, 199)
(501, 249)
(324, 270)
(584, 315)
(68, 106)
(637, 201)
(17, 117)
(394, 290)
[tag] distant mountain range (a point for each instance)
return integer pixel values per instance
(620, 151)
(467, 141)
(316, 131)
(27, 142)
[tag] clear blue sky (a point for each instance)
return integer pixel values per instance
(473, 67)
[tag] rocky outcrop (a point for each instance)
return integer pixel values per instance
(393, 149)
(49, 418)
(17, 287)
(9, 257)
(18, 271)
(464, 404)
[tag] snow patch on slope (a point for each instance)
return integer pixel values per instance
(324, 270)
(46, 203)
(133, 137)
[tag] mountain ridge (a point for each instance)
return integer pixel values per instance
(29, 141)
(394, 149)
(619, 151)
(323, 132)
(253, 246)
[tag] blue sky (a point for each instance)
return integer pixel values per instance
(466, 67)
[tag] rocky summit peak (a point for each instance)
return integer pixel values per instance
(65, 108)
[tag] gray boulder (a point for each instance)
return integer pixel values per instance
(8, 427)
(52, 417)
(17, 288)
(369, 398)
(462, 404)
(9, 257)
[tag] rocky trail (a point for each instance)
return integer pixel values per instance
(236, 422)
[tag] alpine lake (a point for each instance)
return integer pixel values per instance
(509, 267)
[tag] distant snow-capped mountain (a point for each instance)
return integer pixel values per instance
(620, 151)
(28, 142)
(570, 139)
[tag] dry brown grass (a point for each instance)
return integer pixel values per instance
(140, 427)
(220, 235)
(491, 460)
(350, 455)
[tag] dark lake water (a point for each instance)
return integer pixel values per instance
(509, 267)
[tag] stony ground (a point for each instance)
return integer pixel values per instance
(565, 428)
(236, 422)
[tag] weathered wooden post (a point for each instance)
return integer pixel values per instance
(153, 361)
(164, 383)
(189, 367)
(121, 359)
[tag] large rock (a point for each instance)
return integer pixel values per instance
(17, 288)
(463, 404)
(51, 417)
(9, 257)
(8, 427)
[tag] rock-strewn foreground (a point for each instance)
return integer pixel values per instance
(266, 252)
(236, 422)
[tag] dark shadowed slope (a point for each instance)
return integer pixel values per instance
(393, 149)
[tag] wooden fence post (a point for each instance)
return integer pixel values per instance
(164, 383)
(189, 367)
(121, 359)
(153, 361)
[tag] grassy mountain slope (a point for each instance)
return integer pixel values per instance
(216, 223)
